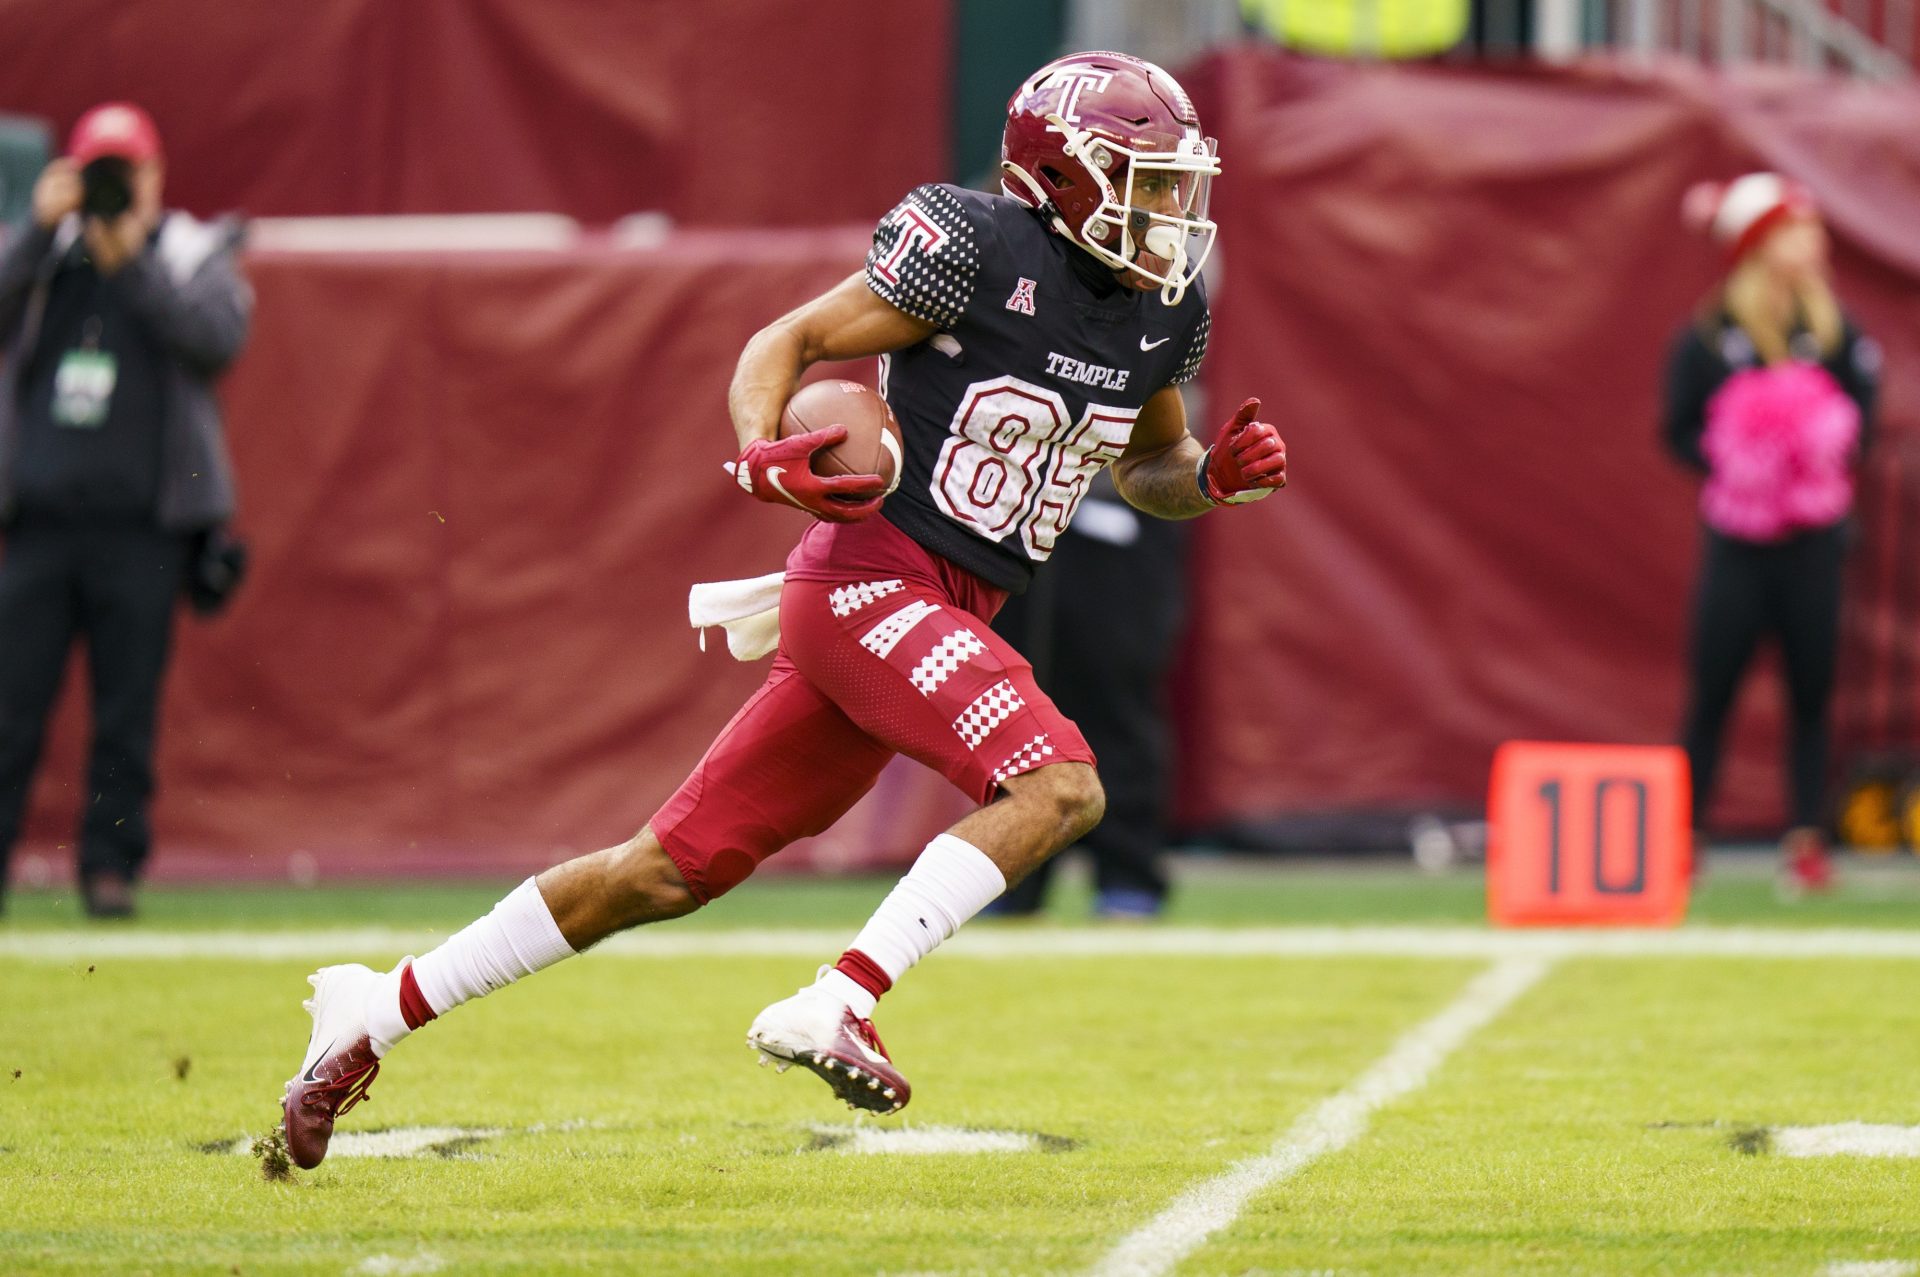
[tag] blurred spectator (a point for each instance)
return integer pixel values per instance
(24, 147)
(1099, 628)
(115, 316)
(1367, 28)
(1770, 396)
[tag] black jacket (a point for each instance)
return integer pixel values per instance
(1703, 357)
(188, 290)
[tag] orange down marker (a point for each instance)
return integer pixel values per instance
(1588, 835)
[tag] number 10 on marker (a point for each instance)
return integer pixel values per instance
(1586, 835)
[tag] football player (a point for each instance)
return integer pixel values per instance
(1029, 340)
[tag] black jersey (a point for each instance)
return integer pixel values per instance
(1032, 385)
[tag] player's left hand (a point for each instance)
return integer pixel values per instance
(1247, 462)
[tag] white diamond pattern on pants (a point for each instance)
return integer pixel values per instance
(1033, 754)
(989, 709)
(882, 638)
(948, 655)
(849, 599)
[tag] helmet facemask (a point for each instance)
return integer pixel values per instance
(1154, 222)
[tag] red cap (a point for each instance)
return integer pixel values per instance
(114, 128)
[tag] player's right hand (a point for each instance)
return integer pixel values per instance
(56, 193)
(780, 472)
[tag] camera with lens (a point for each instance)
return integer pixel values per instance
(106, 188)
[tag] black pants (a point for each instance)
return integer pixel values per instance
(113, 584)
(1098, 624)
(1789, 591)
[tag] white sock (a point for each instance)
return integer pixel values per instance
(518, 938)
(385, 1023)
(950, 882)
(849, 991)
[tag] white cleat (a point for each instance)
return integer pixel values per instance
(818, 1031)
(339, 1066)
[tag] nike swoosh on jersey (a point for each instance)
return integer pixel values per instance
(1149, 345)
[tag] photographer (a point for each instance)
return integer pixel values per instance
(115, 317)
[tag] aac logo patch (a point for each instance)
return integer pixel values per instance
(1022, 299)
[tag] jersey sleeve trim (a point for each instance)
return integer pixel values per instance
(925, 258)
(1196, 351)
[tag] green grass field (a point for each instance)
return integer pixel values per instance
(1611, 1117)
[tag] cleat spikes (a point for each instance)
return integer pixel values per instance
(821, 1034)
(783, 1066)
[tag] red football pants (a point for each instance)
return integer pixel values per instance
(884, 649)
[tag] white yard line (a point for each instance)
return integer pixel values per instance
(918, 1140)
(1847, 1139)
(1010, 943)
(404, 1141)
(399, 1265)
(1870, 1268)
(1328, 1127)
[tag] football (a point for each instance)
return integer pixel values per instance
(872, 445)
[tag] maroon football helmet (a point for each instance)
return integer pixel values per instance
(1108, 147)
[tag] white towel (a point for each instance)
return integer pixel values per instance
(748, 610)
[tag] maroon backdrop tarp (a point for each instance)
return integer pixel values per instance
(1456, 289)
(477, 490)
(479, 486)
(741, 113)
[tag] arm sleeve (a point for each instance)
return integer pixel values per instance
(1196, 350)
(1689, 385)
(203, 321)
(925, 258)
(1856, 366)
(19, 267)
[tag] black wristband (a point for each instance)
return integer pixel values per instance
(1200, 478)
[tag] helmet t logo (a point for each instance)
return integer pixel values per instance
(1073, 84)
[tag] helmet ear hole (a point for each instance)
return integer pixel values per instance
(1055, 178)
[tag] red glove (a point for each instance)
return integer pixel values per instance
(780, 472)
(1248, 462)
